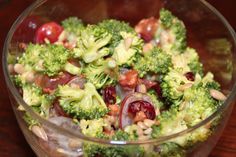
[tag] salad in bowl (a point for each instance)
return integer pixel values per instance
(116, 82)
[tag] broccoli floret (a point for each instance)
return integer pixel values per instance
(73, 25)
(209, 82)
(121, 136)
(49, 59)
(132, 131)
(93, 150)
(19, 80)
(213, 85)
(91, 44)
(92, 128)
(188, 61)
(101, 72)
(171, 85)
(157, 103)
(34, 97)
(171, 121)
(128, 50)
(204, 104)
(155, 61)
(82, 103)
(171, 33)
(195, 105)
(171, 149)
(114, 27)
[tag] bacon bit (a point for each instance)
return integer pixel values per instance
(48, 90)
(22, 46)
(129, 80)
(114, 110)
(140, 116)
(109, 132)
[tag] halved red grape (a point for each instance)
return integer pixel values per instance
(138, 102)
(190, 76)
(50, 31)
(49, 84)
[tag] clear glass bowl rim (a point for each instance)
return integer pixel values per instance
(82, 137)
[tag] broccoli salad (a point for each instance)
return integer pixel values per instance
(116, 82)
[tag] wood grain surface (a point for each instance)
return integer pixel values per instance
(12, 142)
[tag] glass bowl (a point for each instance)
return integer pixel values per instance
(208, 32)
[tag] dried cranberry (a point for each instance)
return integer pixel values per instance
(134, 107)
(144, 106)
(190, 76)
(149, 110)
(109, 95)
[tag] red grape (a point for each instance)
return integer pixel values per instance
(146, 28)
(50, 31)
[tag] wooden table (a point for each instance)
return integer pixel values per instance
(12, 142)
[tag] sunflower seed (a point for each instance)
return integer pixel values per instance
(39, 131)
(217, 95)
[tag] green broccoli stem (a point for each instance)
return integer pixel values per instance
(72, 69)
